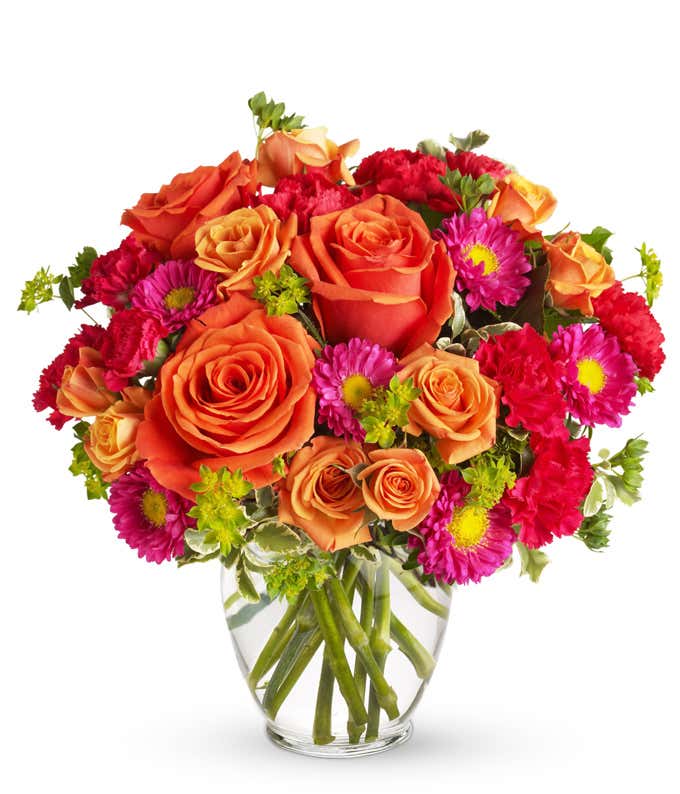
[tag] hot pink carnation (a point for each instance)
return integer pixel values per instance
(148, 517)
(176, 292)
(462, 543)
(520, 361)
(113, 275)
(131, 339)
(343, 376)
(546, 503)
(597, 378)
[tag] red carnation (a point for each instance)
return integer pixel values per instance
(474, 165)
(50, 379)
(408, 176)
(547, 502)
(308, 195)
(113, 275)
(626, 315)
(131, 339)
(520, 361)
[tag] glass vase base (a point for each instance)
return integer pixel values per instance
(340, 749)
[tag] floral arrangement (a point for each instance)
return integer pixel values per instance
(333, 364)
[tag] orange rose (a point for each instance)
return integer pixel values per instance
(244, 244)
(287, 153)
(457, 405)
(520, 200)
(111, 441)
(399, 485)
(237, 392)
(577, 272)
(375, 272)
(167, 221)
(82, 391)
(321, 498)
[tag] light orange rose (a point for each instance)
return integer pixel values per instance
(244, 244)
(520, 200)
(457, 405)
(82, 391)
(321, 498)
(111, 441)
(288, 153)
(578, 273)
(399, 485)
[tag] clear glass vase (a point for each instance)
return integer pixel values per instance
(339, 670)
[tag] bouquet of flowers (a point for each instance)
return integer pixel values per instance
(329, 377)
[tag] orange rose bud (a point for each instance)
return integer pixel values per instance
(244, 244)
(518, 199)
(82, 391)
(319, 496)
(111, 441)
(376, 273)
(399, 485)
(578, 273)
(167, 221)
(236, 392)
(457, 405)
(288, 153)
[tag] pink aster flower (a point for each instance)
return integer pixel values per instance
(344, 376)
(462, 542)
(489, 258)
(176, 292)
(148, 517)
(596, 375)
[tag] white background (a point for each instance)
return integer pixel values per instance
(118, 675)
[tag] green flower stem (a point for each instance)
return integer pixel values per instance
(275, 645)
(336, 652)
(358, 639)
(324, 703)
(309, 325)
(416, 589)
(417, 654)
(380, 642)
(366, 585)
(280, 686)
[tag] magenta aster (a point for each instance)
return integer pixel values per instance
(148, 517)
(344, 376)
(462, 542)
(489, 258)
(176, 292)
(596, 375)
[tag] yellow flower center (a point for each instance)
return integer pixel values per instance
(468, 525)
(481, 254)
(355, 390)
(154, 507)
(179, 297)
(591, 375)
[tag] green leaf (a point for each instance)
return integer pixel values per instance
(595, 531)
(248, 612)
(432, 218)
(270, 115)
(651, 273)
(472, 140)
(432, 148)
(594, 499)
(245, 584)
(66, 292)
(38, 290)
(644, 385)
(473, 337)
(533, 561)
(196, 541)
(365, 553)
(598, 239)
(273, 536)
(95, 486)
(78, 272)
(459, 318)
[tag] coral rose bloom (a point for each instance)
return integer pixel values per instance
(244, 244)
(578, 273)
(321, 498)
(521, 201)
(237, 392)
(457, 405)
(376, 273)
(83, 391)
(167, 221)
(289, 153)
(111, 443)
(399, 485)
